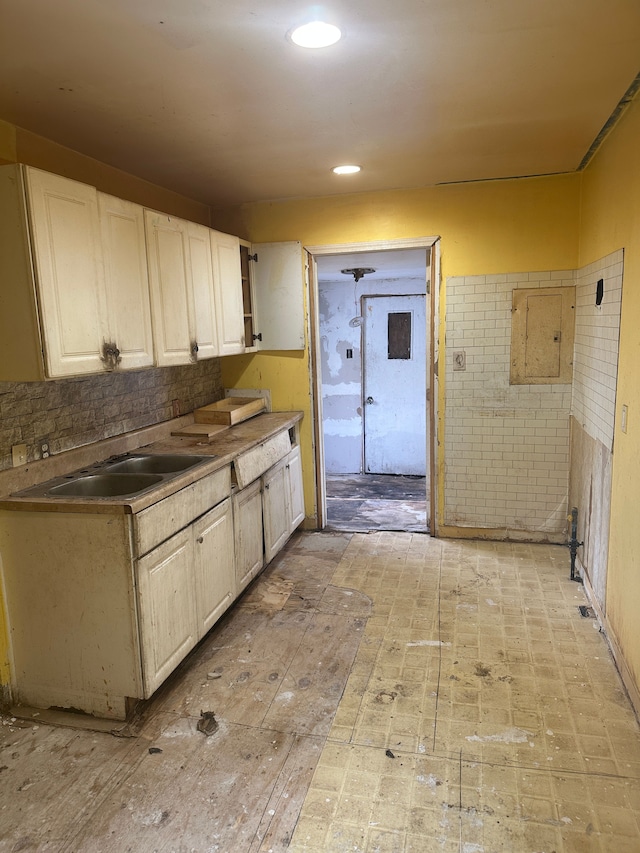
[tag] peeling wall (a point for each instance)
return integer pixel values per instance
(593, 413)
(338, 304)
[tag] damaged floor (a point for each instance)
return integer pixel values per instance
(384, 692)
(364, 502)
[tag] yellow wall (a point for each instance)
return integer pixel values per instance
(487, 227)
(21, 146)
(610, 219)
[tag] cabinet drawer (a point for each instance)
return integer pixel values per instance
(252, 464)
(162, 520)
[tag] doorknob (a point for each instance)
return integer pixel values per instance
(369, 400)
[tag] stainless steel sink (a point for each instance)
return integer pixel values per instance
(156, 464)
(119, 477)
(106, 485)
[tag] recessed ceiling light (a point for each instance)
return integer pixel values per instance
(346, 170)
(315, 34)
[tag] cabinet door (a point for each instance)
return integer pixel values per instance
(278, 296)
(275, 501)
(215, 580)
(126, 280)
(170, 286)
(227, 277)
(167, 609)
(247, 523)
(205, 333)
(68, 258)
(296, 493)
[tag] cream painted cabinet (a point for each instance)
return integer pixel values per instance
(296, 493)
(126, 282)
(184, 586)
(181, 284)
(204, 321)
(249, 546)
(69, 256)
(275, 500)
(283, 502)
(228, 292)
(104, 605)
(214, 565)
(282, 512)
(273, 289)
(167, 608)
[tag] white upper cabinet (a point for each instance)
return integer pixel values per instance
(126, 281)
(228, 291)
(182, 296)
(205, 331)
(274, 295)
(67, 253)
(75, 298)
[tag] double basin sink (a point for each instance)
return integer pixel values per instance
(121, 477)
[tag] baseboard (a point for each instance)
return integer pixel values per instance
(501, 534)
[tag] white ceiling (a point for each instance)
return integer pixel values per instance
(208, 97)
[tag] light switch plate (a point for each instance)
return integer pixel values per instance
(19, 454)
(460, 360)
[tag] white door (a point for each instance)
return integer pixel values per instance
(394, 387)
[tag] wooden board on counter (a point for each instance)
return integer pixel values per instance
(202, 431)
(231, 411)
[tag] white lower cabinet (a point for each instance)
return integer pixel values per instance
(214, 565)
(184, 586)
(247, 517)
(166, 608)
(274, 519)
(103, 605)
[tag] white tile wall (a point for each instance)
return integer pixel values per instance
(595, 367)
(506, 446)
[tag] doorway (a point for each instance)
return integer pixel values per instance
(372, 318)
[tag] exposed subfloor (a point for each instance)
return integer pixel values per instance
(364, 502)
(385, 692)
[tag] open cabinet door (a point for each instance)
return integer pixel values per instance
(278, 294)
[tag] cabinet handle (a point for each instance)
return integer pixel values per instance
(200, 540)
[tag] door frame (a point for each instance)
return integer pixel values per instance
(315, 378)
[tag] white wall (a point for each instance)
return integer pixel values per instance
(338, 303)
(595, 380)
(595, 367)
(507, 446)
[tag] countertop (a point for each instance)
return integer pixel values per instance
(223, 449)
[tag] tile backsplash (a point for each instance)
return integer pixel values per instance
(74, 412)
(506, 446)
